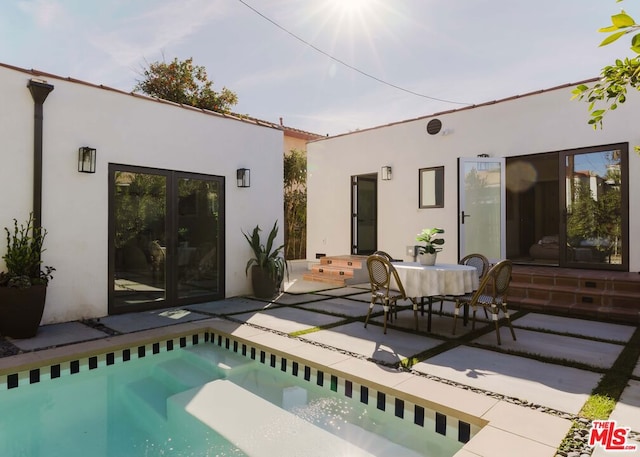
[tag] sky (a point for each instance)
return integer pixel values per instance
(324, 66)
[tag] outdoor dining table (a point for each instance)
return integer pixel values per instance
(428, 281)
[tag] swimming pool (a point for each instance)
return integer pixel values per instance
(209, 394)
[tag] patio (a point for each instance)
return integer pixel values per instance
(552, 367)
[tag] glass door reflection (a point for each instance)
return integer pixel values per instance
(198, 229)
(139, 238)
(593, 207)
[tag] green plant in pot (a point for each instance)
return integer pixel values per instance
(430, 237)
(23, 286)
(268, 265)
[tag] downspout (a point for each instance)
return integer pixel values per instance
(39, 90)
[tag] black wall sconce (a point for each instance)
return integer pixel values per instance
(386, 173)
(243, 176)
(86, 160)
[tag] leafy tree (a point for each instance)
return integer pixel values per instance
(295, 203)
(183, 82)
(615, 79)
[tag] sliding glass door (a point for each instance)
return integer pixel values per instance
(594, 229)
(166, 238)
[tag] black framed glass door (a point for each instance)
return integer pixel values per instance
(594, 224)
(364, 214)
(166, 238)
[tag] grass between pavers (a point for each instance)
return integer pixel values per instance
(605, 395)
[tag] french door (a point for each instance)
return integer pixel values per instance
(166, 238)
(481, 207)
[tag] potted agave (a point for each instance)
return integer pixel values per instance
(267, 264)
(23, 287)
(427, 253)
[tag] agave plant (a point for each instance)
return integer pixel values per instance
(265, 256)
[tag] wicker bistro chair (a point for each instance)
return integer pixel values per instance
(473, 260)
(386, 288)
(384, 254)
(491, 295)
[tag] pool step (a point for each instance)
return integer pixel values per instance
(180, 374)
(146, 399)
(256, 426)
(225, 362)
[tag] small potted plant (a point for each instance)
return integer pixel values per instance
(23, 286)
(268, 265)
(428, 252)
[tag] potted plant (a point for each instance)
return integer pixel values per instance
(268, 265)
(23, 286)
(427, 253)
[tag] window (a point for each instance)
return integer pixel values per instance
(431, 187)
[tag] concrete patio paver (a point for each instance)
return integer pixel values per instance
(593, 329)
(287, 319)
(58, 334)
(127, 323)
(230, 306)
(339, 306)
(589, 352)
(371, 342)
(627, 408)
(562, 388)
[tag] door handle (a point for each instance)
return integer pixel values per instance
(462, 216)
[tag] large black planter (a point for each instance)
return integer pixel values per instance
(264, 286)
(21, 310)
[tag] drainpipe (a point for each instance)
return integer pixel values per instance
(39, 90)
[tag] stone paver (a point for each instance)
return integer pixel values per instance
(372, 342)
(287, 319)
(589, 352)
(230, 306)
(626, 412)
(340, 306)
(127, 323)
(593, 329)
(562, 388)
(58, 334)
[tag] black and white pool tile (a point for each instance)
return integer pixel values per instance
(71, 367)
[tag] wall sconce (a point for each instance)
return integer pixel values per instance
(86, 160)
(243, 176)
(386, 173)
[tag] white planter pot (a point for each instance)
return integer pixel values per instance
(427, 259)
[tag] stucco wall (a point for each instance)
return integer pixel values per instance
(126, 130)
(537, 123)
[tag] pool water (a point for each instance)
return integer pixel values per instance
(201, 401)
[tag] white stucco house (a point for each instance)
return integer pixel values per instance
(159, 223)
(524, 178)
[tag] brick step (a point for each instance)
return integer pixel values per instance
(569, 295)
(345, 261)
(332, 270)
(320, 277)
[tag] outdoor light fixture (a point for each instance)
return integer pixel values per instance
(386, 173)
(86, 160)
(243, 175)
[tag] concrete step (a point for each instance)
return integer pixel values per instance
(263, 430)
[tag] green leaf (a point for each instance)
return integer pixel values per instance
(611, 38)
(611, 28)
(598, 112)
(622, 20)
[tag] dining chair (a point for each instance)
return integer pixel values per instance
(481, 263)
(386, 288)
(384, 254)
(491, 295)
